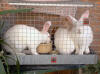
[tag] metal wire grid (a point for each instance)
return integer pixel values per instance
(53, 10)
(95, 24)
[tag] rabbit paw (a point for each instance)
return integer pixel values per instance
(34, 52)
(77, 51)
(80, 53)
(87, 51)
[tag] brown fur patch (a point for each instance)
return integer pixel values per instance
(68, 23)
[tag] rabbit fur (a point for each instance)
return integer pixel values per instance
(82, 34)
(78, 38)
(63, 41)
(22, 36)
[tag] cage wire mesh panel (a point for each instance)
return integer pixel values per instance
(47, 7)
(31, 32)
(95, 21)
(94, 24)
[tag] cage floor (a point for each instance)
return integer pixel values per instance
(54, 59)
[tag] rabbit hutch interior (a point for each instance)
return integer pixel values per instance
(53, 33)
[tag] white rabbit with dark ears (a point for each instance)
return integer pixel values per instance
(82, 34)
(22, 36)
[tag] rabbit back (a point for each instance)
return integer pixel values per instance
(21, 36)
(85, 36)
(83, 39)
(63, 42)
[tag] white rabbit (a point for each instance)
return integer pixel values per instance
(63, 41)
(82, 34)
(21, 36)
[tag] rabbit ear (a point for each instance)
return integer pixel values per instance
(72, 19)
(46, 26)
(84, 15)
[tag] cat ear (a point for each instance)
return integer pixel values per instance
(84, 15)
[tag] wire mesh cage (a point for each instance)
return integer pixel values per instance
(50, 34)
